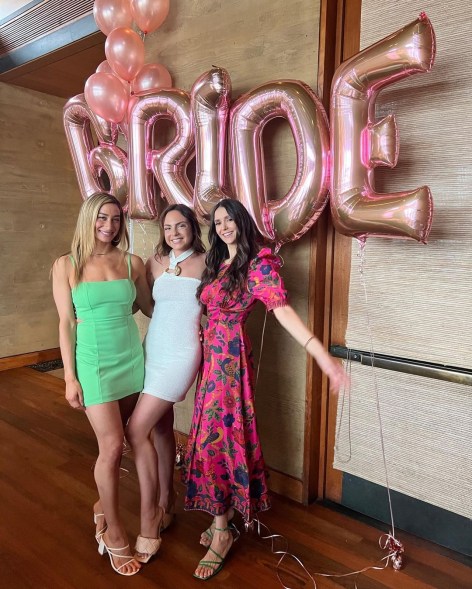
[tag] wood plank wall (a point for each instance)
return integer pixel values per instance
(39, 201)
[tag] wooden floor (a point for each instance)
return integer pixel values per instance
(46, 530)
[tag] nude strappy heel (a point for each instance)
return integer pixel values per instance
(146, 548)
(99, 534)
(117, 553)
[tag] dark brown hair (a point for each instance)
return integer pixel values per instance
(163, 248)
(248, 245)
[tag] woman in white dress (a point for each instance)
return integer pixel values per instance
(172, 360)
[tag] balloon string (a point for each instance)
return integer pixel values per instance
(260, 350)
(346, 392)
(131, 235)
(263, 332)
(145, 237)
(362, 265)
(386, 542)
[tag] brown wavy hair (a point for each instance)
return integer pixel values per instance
(249, 242)
(163, 248)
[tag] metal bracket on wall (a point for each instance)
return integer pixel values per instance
(428, 369)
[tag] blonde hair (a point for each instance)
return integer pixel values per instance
(83, 242)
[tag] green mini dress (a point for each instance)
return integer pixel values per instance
(109, 355)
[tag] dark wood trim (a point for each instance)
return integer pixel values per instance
(20, 360)
(97, 38)
(285, 485)
(329, 273)
(319, 296)
(339, 260)
(279, 482)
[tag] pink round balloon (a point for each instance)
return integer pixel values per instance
(110, 14)
(152, 76)
(106, 68)
(149, 14)
(125, 52)
(106, 96)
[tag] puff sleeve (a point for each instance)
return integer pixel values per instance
(265, 282)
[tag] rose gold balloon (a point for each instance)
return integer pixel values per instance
(289, 218)
(125, 52)
(168, 164)
(211, 97)
(106, 96)
(105, 68)
(359, 143)
(114, 162)
(110, 14)
(151, 77)
(149, 14)
(89, 161)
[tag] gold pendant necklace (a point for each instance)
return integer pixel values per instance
(174, 261)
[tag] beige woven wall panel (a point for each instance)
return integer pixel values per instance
(418, 297)
(427, 427)
(256, 42)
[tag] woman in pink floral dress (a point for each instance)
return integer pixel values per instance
(224, 468)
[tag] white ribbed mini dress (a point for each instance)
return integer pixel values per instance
(172, 346)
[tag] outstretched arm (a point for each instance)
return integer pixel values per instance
(291, 321)
(67, 330)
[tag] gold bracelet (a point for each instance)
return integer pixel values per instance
(308, 341)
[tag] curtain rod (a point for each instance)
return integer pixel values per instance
(417, 367)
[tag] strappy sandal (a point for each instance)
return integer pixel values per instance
(146, 548)
(99, 534)
(209, 533)
(117, 553)
(214, 565)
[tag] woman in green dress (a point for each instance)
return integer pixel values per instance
(95, 287)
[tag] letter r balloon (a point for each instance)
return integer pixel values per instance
(168, 164)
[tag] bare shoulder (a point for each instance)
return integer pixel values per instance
(136, 261)
(160, 262)
(199, 265)
(62, 266)
(201, 260)
(156, 265)
(62, 274)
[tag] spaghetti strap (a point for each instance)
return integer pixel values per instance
(71, 257)
(129, 266)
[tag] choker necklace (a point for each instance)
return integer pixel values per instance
(174, 268)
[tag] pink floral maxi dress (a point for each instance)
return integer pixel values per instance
(224, 466)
